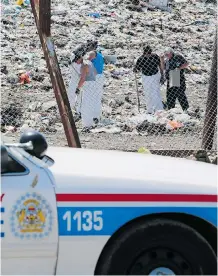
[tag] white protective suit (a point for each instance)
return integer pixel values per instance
(151, 85)
(99, 88)
(89, 97)
(75, 100)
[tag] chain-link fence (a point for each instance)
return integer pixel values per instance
(27, 97)
(153, 98)
(159, 105)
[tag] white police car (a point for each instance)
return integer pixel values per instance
(78, 211)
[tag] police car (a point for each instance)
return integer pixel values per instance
(78, 211)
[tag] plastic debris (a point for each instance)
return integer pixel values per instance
(19, 2)
(144, 150)
(25, 78)
(113, 130)
(110, 67)
(182, 118)
(173, 125)
(112, 59)
(95, 15)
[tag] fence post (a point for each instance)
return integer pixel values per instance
(45, 17)
(211, 108)
(42, 12)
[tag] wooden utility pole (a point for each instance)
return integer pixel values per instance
(211, 108)
(42, 13)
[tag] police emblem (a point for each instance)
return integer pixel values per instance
(31, 217)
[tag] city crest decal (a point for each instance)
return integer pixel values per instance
(31, 217)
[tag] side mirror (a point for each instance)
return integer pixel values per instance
(4, 159)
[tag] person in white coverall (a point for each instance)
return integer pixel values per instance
(86, 90)
(151, 67)
(98, 61)
(75, 100)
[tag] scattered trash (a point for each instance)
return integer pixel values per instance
(12, 79)
(112, 59)
(120, 33)
(94, 14)
(11, 129)
(162, 121)
(144, 150)
(106, 122)
(24, 127)
(113, 130)
(116, 73)
(20, 2)
(59, 11)
(110, 67)
(25, 78)
(173, 125)
(200, 22)
(160, 4)
(4, 70)
(48, 106)
(11, 115)
(182, 118)
(5, 2)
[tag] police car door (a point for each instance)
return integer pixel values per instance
(29, 234)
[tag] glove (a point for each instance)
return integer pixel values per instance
(77, 91)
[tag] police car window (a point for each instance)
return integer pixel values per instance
(13, 167)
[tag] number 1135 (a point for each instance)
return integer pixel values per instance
(85, 220)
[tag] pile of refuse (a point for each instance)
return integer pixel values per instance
(121, 32)
(165, 121)
(43, 117)
(162, 122)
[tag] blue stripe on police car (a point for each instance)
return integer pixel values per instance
(87, 221)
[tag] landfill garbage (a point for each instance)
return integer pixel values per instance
(144, 150)
(173, 125)
(201, 22)
(112, 59)
(25, 78)
(19, 2)
(112, 130)
(12, 79)
(10, 128)
(4, 70)
(110, 67)
(24, 128)
(95, 15)
(162, 121)
(121, 33)
(117, 73)
(106, 122)
(48, 106)
(11, 115)
(182, 118)
(26, 2)
(5, 2)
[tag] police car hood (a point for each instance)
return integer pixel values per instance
(97, 171)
